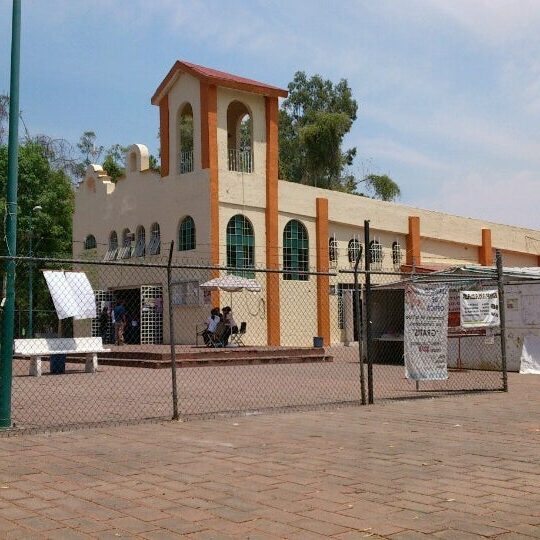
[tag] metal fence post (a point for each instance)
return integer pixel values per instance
(369, 348)
(358, 328)
(171, 335)
(8, 319)
(502, 317)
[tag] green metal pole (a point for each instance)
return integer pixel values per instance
(6, 353)
(30, 284)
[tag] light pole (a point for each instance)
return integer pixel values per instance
(31, 275)
(6, 350)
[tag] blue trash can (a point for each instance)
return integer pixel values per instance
(318, 342)
(58, 363)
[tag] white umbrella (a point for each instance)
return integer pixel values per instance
(232, 283)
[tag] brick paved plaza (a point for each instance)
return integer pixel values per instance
(461, 467)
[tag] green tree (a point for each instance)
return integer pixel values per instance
(40, 184)
(114, 164)
(314, 119)
(382, 187)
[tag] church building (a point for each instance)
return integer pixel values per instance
(219, 198)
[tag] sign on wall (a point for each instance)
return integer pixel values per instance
(479, 309)
(426, 327)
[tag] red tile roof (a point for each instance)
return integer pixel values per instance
(219, 78)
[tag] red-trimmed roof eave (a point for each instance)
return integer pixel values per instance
(219, 78)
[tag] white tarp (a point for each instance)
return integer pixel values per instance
(71, 293)
(530, 355)
(84, 294)
(479, 308)
(232, 283)
(426, 332)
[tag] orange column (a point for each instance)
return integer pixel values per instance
(485, 251)
(272, 236)
(209, 160)
(413, 242)
(164, 134)
(323, 265)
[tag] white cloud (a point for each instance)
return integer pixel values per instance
(500, 198)
(393, 151)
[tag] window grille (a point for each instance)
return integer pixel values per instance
(186, 234)
(295, 251)
(140, 243)
(125, 251)
(333, 253)
(240, 246)
(112, 250)
(376, 255)
(90, 242)
(186, 162)
(154, 246)
(240, 160)
(397, 255)
(354, 249)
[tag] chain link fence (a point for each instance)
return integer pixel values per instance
(112, 359)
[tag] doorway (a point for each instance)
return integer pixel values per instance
(132, 303)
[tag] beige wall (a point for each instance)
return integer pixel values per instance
(142, 198)
(393, 218)
(442, 252)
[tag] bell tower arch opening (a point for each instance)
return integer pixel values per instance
(239, 137)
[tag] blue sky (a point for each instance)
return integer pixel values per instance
(448, 90)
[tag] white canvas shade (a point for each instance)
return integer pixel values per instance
(232, 283)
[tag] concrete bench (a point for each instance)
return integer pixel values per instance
(36, 348)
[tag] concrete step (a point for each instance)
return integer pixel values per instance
(181, 362)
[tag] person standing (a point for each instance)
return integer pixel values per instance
(119, 322)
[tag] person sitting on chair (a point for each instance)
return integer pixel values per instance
(232, 328)
(211, 325)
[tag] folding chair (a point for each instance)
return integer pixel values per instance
(237, 338)
(217, 338)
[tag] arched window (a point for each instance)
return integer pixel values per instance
(154, 245)
(140, 242)
(354, 249)
(185, 139)
(112, 250)
(332, 251)
(90, 242)
(186, 234)
(125, 251)
(376, 254)
(240, 245)
(396, 254)
(295, 251)
(239, 137)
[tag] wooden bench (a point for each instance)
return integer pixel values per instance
(36, 348)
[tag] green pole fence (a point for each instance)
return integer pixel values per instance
(6, 354)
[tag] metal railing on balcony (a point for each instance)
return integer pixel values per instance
(240, 160)
(186, 162)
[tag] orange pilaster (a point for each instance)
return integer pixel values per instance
(164, 134)
(323, 265)
(272, 236)
(485, 251)
(413, 241)
(209, 160)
